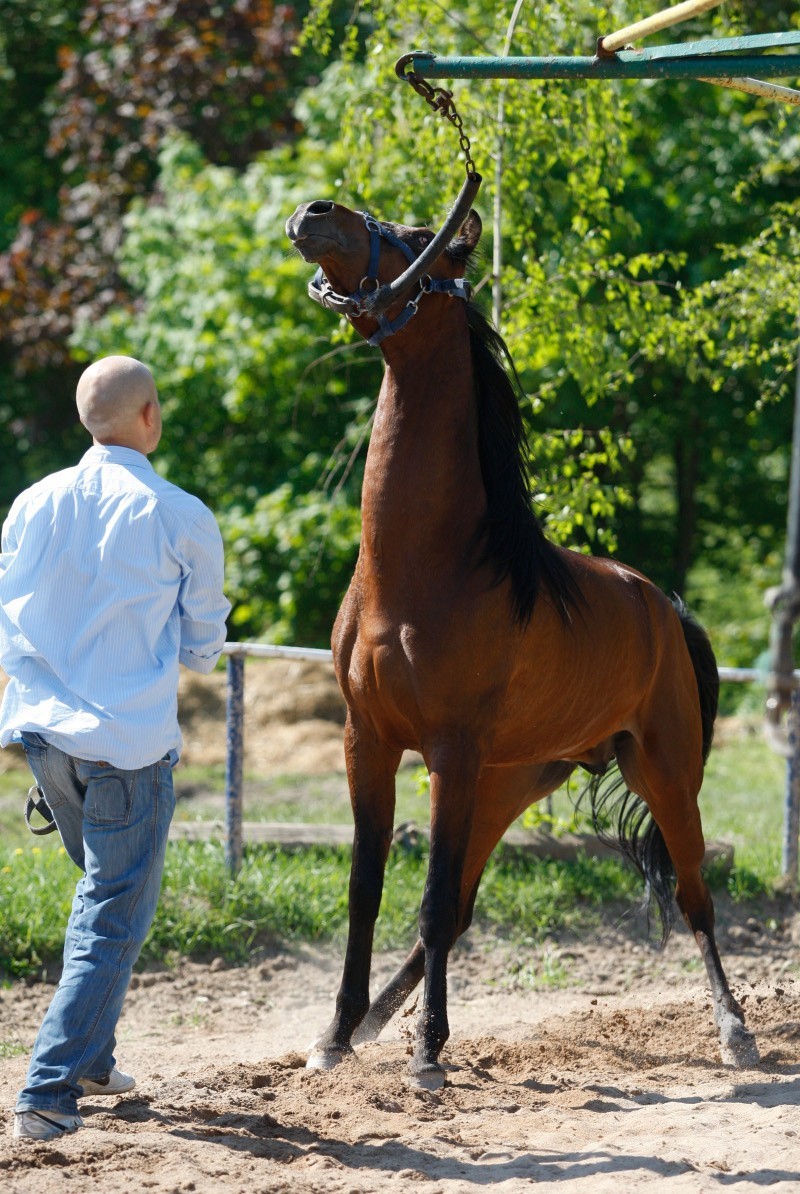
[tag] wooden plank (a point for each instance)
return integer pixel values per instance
(534, 842)
(658, 21)
(289, 835)
(784, 95)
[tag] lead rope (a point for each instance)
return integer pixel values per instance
(441, 101)
(372, 300)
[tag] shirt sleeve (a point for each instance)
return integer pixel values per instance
(202, 603)
(8, 538)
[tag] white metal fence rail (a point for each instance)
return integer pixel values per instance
(234, 766)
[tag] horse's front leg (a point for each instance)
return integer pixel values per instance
(371, 769)
(454, 774)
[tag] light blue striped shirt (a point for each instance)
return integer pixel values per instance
(110, 577)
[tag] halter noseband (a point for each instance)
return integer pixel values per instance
(358, 303)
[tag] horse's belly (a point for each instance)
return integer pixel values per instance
(563, 708)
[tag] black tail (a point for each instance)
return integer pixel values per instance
(705, 669)
(622, 819)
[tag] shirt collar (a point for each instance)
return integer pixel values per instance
(114, 454)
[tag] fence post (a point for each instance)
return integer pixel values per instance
(234, 764)
(791, 812)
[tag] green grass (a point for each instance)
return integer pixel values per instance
(312, 799)
(303, 896)
(742, 802)
(292, 897)
(9, 1049)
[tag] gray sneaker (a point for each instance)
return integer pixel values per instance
(115, 1083)
(44, 1125)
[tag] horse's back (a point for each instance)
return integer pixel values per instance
(615, 665)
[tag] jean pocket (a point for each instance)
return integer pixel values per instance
(36, 752)
(108, 795)
(33, 741)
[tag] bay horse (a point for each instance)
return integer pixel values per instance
(505, 660)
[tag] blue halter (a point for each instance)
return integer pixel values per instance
(353, 305)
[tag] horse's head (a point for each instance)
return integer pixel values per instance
(358, 256)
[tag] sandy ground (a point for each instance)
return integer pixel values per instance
(610, 1083)
(587, 1063)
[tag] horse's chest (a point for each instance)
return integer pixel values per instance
(409, 685)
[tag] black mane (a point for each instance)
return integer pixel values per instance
(511, 538)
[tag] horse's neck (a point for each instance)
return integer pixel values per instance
(423, 491)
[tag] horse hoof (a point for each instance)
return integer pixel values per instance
(737, 1045)
(327, 1059)
(427, 1077)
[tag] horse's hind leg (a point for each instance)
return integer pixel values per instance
(737, 1045)
(454, 768)
(502, 794)
(371, 774)
(656, 776)
(392, 997)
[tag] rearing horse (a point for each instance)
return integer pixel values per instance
(466, 635)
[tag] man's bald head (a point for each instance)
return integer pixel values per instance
(118, 402)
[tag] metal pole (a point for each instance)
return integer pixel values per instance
(638, 64)
(234, 766)
(497, 213)
(791, 609)
(791, 814)
(271, 651)
(659, 20)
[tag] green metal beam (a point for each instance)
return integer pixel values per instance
(627, 64)
(719, 45)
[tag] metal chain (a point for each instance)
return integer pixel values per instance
(441, 100)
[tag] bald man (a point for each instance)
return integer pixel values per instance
(110, 577)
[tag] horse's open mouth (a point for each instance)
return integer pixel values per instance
(313, 246)
(310, 235)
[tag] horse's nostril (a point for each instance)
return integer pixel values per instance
(320, 208)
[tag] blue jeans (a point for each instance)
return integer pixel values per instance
(114, 826)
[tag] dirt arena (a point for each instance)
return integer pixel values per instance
(606, 1079)
(611, 1083)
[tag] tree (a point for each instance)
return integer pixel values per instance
(96, 86)
(710, 175)
(617, 301)
(224, 312)
(622, 303)
(32, 36)
(255, 404)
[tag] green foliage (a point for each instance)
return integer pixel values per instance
(568, 817)
(260, 416)
(746, 320)
(36, 888)
(289, 897)
(639, 246)
(90, 90)
(290, 559)
(33, 36)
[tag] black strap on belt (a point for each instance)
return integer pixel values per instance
(36, 803)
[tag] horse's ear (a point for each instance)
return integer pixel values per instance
(464, 245)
